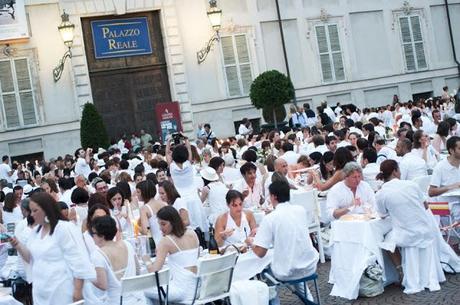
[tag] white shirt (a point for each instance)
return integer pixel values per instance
(412, 166)
(445, 174)
(386, 153)
(340, 196)
(253, 198)
(403, 202)
(82, 168)
(330, 113)
(290, 157)
(369, 173)
(243, 130)
(285, 230)
(231, 174)
(4, 172)
(380, 130)
(431, 156)
(182, 177)
(355, 117)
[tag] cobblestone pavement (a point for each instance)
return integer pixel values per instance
(448, 295)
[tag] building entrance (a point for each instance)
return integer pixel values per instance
(126, 88)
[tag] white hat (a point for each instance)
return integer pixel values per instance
(27, 189)
(209, 174)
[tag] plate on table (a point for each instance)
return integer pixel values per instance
(356, 217)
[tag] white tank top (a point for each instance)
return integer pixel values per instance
(240, 233)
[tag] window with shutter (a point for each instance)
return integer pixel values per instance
(16, 94)
(330, 53)
(237, 64)
(412, 43)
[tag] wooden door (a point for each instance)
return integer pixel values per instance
(125, 89)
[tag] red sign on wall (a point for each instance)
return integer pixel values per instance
(168, 119)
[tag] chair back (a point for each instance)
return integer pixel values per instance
(423, 182)
(309, 201)
(215, 276)
(439, 208)
(144, 281)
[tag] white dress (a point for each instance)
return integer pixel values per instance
(56, 260)
(12, 217)
(183, 181)
(112, 294)
(183, 281)
(216, 200)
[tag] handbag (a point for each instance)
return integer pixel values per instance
(21, 290)
(371, 282)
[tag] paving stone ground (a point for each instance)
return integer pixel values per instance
(448, 295)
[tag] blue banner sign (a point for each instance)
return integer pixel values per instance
(121, 37)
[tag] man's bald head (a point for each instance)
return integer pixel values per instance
(281, 166)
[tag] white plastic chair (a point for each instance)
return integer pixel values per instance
(147, 281)
(309, 201)
(214, 278)
(423, 182)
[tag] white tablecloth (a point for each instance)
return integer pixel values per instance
(355, 244)
(249, 265)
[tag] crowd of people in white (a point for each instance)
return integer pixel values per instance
(74, 215)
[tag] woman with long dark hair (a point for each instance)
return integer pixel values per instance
(180, 246)
(54, 250)
(341, 157)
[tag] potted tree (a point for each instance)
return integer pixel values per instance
(269, 92)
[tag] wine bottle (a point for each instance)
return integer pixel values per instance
(213, 248)
(151, 243)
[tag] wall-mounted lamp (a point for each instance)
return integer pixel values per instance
(66, 29)
(215, 16)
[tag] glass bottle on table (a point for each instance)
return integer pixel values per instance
(213, 248)
(150, 244)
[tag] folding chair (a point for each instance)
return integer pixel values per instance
(214, 278)
(147, 281)
(441, 209)
(303, 297)
(309, 201)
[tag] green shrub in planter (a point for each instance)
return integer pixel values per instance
(92, 129)
(270, 91)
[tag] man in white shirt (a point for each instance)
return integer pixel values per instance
(250, 186)
(350, 196)
(82, 164)
(328, 110)
(288, 153)
(384, 152)
(245, 128)
(410, 165)
(285, 230)
(370, 168)
(446, 177)
(5, 170)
